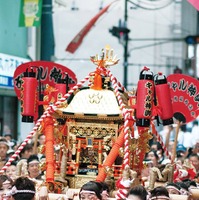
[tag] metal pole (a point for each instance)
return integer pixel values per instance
(47, 37)
(125, 64)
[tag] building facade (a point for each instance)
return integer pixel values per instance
(13, 52)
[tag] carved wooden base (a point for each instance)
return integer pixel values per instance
(78, 180)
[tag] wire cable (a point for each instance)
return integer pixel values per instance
(151, 4)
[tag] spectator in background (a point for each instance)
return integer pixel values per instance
(171, 147)
(163, 160)
(194, 159)
(40, 145)
(11, 141)
(187, 137)
(41, 139)
(181, 133)
(181, 151)
(197, 179)
(151, 160)
(179, 161)
(153, 156)
(3, 151)
(5, 185)
(11, 170)
(196, 148)
(154, 146)
(33, 167)
(10, 152)
(195, 133)
(146, 170)
(167, 131)
(160, 152)
(23, 156)
(5, 182)
(26, 151)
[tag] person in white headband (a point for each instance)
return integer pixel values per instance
(159, 193)
(33, 167)
(184, 190)
(23, 189)
(173, 188)
(160, 198)
(91, 190)
(137, 193)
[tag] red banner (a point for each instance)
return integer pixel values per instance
(77, 40)
(185, 96)
(46, 72)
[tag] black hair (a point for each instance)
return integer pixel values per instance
(43, 156)
(183, 127)
(32, 157)
(195, 122)
(183, 185)
(160, 147)
(3, 178)
(194, 155)
(138, 191)
(189, 183)
(197, 175)
(3, 140)
(192, 183)
(154, 152)
(153, 143)
(173, 185)
(190, 151)
(23, 183)
(92, 186)
(27, 147)
(105, 186)
(14, 163)
(159, 191)
(40, 135)
(8, 135)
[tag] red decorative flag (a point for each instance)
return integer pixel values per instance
(184, 92)
(194, 3)
(77, 40)
(47, 72)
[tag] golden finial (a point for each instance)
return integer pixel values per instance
(106, 59)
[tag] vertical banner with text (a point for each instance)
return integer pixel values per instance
(30, 13)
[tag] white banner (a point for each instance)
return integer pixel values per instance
(8, 65)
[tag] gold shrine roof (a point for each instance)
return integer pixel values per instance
(96, 103)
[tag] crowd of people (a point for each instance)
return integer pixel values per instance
(19, 178)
